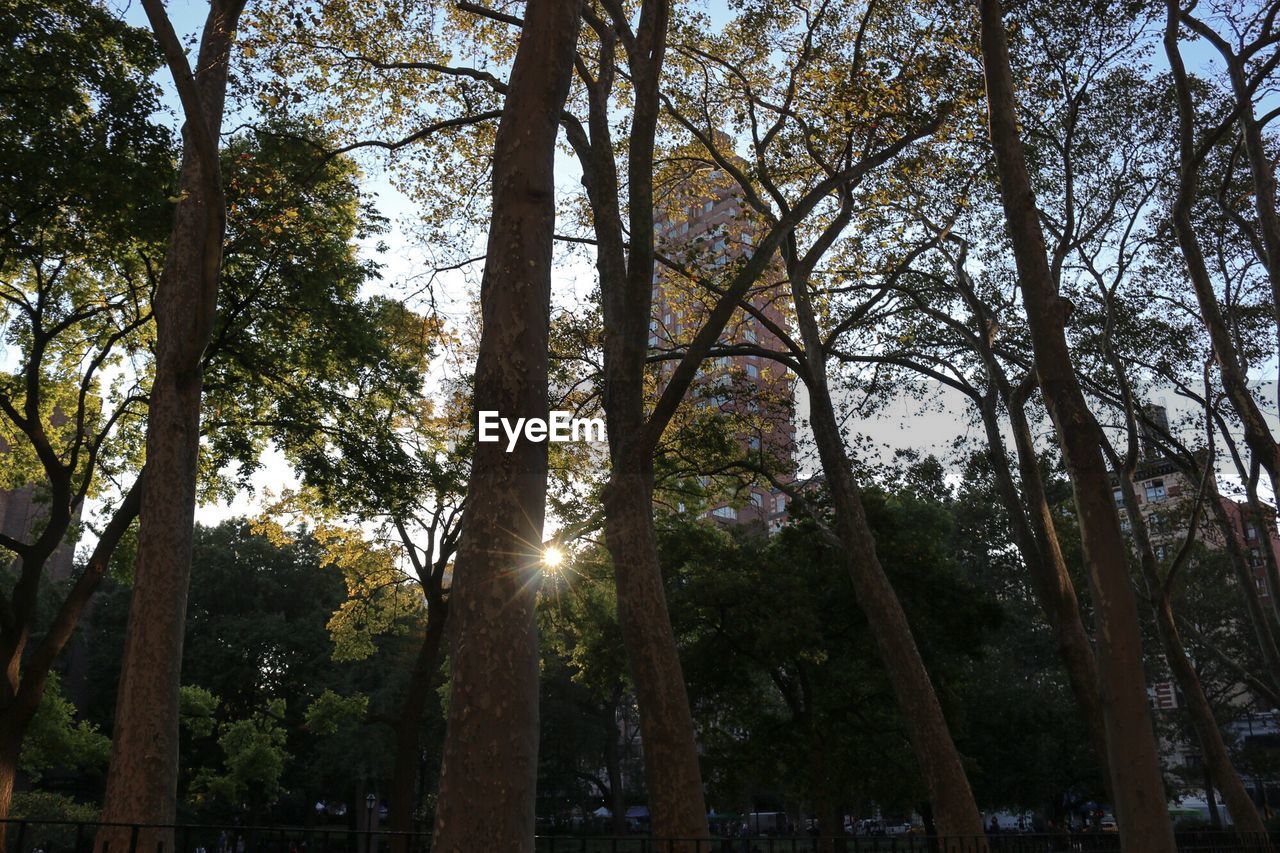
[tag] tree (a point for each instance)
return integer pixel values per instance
(788, 686)
(1133, 758)
(269, 693)
(489, 768)
(87, 171)
(887, 117)
(142, 781)
(1247, 73)
(1029, 741)
(585, 679)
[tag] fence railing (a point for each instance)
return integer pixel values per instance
(23, 836)
(1087, 842)
(26, 836)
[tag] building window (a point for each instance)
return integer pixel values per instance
(758, 500)
(1118, 494)
(1255, 557)
(753, 371)
(1250, 531)
(1155, 490)
(725, 512)
(1125, 526)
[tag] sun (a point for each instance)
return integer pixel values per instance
(552, 557)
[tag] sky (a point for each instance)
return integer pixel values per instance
(906, 422)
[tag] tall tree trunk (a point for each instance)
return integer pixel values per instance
(408, 726)
(939, 761)
(677, 808)
(1037, 541)
(12, 728)
(1217, 760)
(1211, 799)
(613, 765)
(490, 752)
(1137, 785)
(666, 723)
(142, 780)
(825, 804)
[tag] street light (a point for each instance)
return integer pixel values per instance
(369, 802)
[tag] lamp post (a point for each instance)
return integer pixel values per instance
(369, 802)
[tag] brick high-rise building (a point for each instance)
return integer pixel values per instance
(703, 229)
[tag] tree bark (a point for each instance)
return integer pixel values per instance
(677, 807)
(1211, 798)
(666, 723)
(954, 808)
(142, 780)
(1217, 760)
(1037, 541)
(407, 759)
(490, 752)
(613, 765)
(1141, 810)
(13, 727)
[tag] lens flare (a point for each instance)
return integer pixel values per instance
(552, 557)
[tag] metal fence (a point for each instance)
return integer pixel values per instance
(1091, 842)
(21, 836)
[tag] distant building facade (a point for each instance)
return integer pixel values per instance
(703, 229)
(1165, 496)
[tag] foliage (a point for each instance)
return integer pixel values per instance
(330, 711)
(336, 369)
(254, 759)
(45, 806)
(57, 740)
(260, 678)
(197, 708)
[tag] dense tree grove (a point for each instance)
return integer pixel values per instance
(269, 271)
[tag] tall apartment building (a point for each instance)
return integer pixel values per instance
(702, 228)
(1164, 495)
